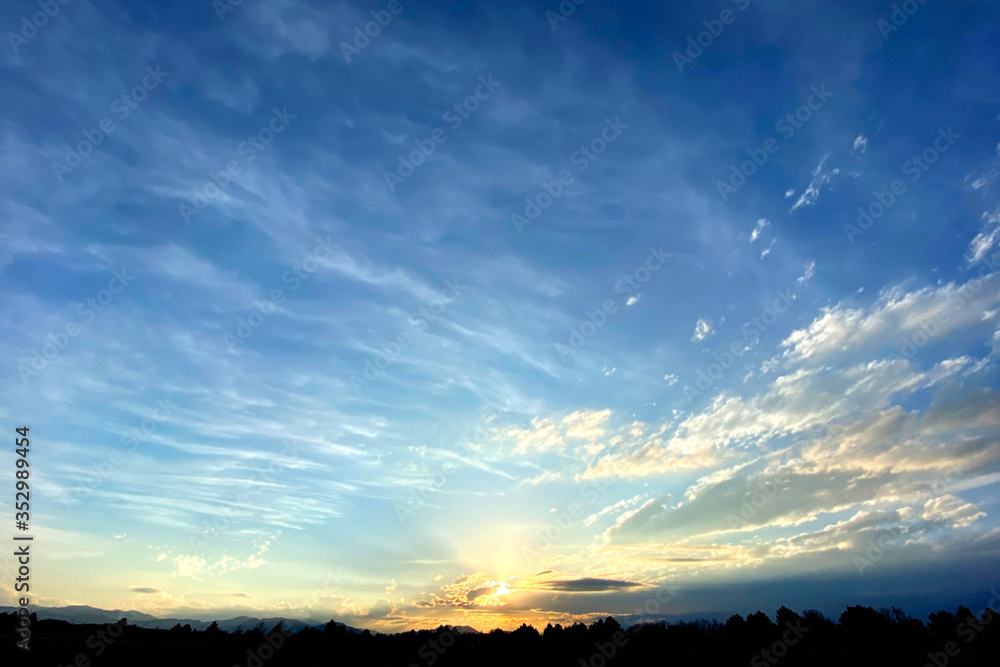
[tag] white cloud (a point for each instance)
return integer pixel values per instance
(886, 457)
(895, 318)
(861, 144)
(620, 505)
(702, 330)
(643, 450)
(555, 434)
(986, 239)
(197, 566)
(836, 372)
(812, 191)
(767, 251)
(952, 511)
(810, 271)
(758, 228)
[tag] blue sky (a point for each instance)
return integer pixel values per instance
(547, 368)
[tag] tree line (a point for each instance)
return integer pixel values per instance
(861, 636)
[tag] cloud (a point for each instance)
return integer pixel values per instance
(586, 585)
(143, 589)
(484, 591)
(381, 609)
(620, 505)
(883, 457)
(811, 392)
(855, 445)
(986, 239)
(554, 434)
(183, 266)
(644, 451)
(810, 271)
(702, 330)
(197, 566)
(860, 144)
(812, 191)
(758, 228)
(469, 592)
(586, 425)
(845, 332)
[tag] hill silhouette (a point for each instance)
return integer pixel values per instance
(82, 614)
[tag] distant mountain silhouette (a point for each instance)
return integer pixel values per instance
(462, 630)
(84, 615)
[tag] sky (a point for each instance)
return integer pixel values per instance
(502, 312)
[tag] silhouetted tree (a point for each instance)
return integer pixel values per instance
(862, 637)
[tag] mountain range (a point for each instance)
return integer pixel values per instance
(82, 614)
